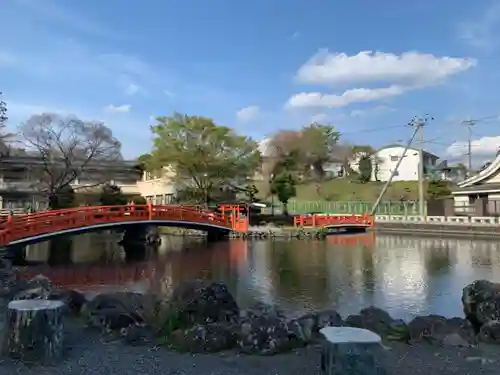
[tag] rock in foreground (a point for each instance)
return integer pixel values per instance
(481, 302)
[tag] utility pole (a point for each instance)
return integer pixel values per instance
(421, 171)
(469, 123)
(417, 124)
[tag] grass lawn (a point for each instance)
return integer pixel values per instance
(346, 190)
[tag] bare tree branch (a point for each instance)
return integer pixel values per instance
(68, 149)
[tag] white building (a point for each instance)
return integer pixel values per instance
(385, 161)
(485, 185)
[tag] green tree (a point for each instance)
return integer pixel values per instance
(283, 185)
(111, 195)
(319, 145)
(63, 197)
(309, 149)
(139, 200)
(438, 189)
(251, 192)
(365, 168)
(203, 154)
(144, 161)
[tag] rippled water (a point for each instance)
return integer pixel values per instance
(406, 275)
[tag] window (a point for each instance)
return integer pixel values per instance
(394, 158)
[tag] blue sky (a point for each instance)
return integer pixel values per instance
(259, 66)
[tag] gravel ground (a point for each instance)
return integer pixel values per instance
(89, 354)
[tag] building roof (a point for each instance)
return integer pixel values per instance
(483, 188)
(396, 145)
(34, 160)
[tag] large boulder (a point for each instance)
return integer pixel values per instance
(38, 287)
(481, 302)
(209, 338)
(374, 319)
(307, 326)
(264, 330)
(73, 299)
(8, 282)
(440, 330)
(490, 332)
(115, 311)
(197, 302)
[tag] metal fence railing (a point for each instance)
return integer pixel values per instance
(295, 206)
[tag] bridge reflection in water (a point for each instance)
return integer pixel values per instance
(116, 272)
(406, 275)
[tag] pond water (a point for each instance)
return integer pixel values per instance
(405, 275)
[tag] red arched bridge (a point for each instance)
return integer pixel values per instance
(30, 228)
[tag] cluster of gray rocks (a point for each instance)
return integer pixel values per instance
(203, 316)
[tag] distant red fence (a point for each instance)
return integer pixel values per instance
(324, 220)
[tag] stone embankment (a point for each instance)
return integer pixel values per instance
(273, 232)
(256, 232)
(203, 317)
(466, 230)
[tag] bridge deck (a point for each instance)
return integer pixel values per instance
(42, 225)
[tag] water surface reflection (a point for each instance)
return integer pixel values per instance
(405, 275)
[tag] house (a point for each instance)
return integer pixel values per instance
(159, 188)
(20, 187)
(484, 185)
(451, 173)
(384, 162)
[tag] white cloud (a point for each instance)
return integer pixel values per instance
(118, 109)
(482, 147)
(398, 73)
(132, 89)
(169, 93)
(367, 66)
(317, 99)
(7, 58)
(248, 114)
(295, 35)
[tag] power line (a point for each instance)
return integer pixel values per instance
(470, 123)
(374, 129)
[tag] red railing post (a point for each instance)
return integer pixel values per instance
(149, 206)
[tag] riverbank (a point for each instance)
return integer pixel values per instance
(479, 231)
(198, 328)
(90, 354)
(111, 334)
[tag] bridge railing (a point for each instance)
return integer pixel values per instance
(327, 220)
(17, 227)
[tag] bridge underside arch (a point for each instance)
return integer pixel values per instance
(214, 231)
